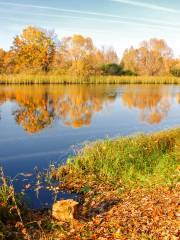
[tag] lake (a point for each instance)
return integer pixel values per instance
(44, 124)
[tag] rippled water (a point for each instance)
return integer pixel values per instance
(43, 124)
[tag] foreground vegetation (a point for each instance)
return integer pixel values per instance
(129, 189)
(67, 79)
(127, 162)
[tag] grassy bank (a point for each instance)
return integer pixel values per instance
(129, 190)
(59, 79)
(137, 161)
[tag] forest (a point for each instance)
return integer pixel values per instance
(38, 51)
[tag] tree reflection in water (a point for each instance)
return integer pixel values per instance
(154, 102)
(75, 105)
(39, 106)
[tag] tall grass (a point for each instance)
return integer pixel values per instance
(143, 160)
(10, 211)
(65, 79)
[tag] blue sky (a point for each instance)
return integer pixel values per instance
(117, 23)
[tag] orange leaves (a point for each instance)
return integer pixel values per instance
(140, 214)
(3, 59)
(36, 50)
(152, 58)
(78, 56)
(76, 53)
(33, 50)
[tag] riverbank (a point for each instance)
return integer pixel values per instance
(65, 79)
(127, 162)
(129, 189)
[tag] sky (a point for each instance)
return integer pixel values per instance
(117, 23)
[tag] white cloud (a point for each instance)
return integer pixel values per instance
(126, 20)
(147, 5)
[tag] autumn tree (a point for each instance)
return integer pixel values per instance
(2, 56)
(33, 50)
(76, 55)
(9, 62)
(109, 55)
(152, 58)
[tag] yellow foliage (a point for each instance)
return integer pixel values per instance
(152, 58)
(33, 50)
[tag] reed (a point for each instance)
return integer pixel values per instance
(66, 79)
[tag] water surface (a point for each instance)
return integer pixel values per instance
(43, 124)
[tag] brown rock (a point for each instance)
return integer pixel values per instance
(65, 210)
(177, 215)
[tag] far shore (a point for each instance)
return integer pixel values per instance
(67, 79)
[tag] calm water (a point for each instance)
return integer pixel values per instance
(43, 124)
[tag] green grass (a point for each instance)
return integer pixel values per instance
(143, 160)
(65, 79)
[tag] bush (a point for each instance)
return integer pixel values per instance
(175, 71)
(129, 73)
(116, 70)
(112, 69)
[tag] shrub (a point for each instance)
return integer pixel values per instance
(175, 71)
(129, 73)
(112, 69)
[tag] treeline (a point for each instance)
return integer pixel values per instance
(37, 51)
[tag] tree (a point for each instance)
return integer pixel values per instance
(79, 56)
(153, 57)
(9, 62)
(33, 50)
(109, 55)
(76, 55)
(2, 56)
